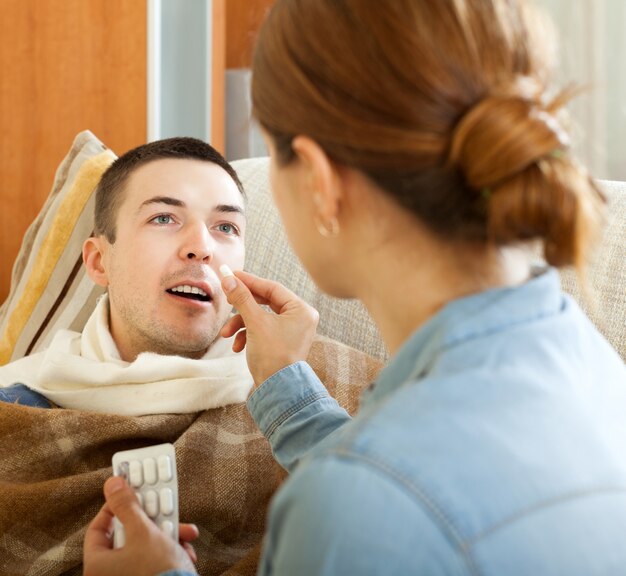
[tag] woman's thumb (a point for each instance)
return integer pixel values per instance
(229, 281)
(237, 293)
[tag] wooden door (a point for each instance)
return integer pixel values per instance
(65, 66)
(243, 20)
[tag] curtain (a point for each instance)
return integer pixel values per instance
(592, 38)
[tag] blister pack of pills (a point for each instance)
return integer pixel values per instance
(151, 472)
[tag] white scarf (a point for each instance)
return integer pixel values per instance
(85, 372)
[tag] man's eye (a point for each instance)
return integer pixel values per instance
(163, 219)
(228, 228)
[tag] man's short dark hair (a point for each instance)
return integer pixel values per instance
(110, 190)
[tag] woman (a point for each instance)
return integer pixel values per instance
(416, 152)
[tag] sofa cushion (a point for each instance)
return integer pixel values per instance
(345, 371)
(604, 297)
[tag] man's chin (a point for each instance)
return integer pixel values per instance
(186, 345)
(194, 352)
(192, 355)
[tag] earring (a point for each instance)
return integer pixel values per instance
(328, 229)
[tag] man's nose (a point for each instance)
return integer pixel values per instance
(198, 244)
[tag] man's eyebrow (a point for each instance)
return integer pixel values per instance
(162, 200)
(230, 208)
(225, 208)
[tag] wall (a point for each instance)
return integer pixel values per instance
(67, 66)
(592, 54)
(243, 20)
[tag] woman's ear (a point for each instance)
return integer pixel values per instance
(93, 258)
(321, 177)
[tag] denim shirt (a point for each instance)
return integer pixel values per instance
(493, 443)
(21, 394)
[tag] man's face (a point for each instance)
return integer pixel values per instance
(179, 221)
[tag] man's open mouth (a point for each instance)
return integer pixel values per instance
(190, 292)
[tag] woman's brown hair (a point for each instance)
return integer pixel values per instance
(443, 103)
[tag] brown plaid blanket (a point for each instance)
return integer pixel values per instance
(53, 464)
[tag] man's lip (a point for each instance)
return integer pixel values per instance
(202, 285)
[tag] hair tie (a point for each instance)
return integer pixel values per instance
(557, 153)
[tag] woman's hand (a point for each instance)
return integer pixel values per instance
(272, 340)
(147, 550)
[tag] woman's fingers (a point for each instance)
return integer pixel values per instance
(274, 294)
(187, 532)
(98, 535)
(147, 550)
(273, 339)
(238, 294)
(233, 326)
(123, 503)
(240, 341)
(190, 552)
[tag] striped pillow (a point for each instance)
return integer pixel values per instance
(49, 285)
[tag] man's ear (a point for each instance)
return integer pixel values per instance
(322, 178)
(93, 258)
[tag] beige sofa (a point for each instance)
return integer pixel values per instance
(50, 289)
(268, 254)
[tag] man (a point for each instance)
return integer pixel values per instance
(168, 215)
(149, 367)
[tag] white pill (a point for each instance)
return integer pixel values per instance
(166, 499)
(165, 468)
(168, 528)
(225, 270)
(150, 470)
(135, 472)
(151, 503)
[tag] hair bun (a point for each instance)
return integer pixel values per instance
(504, 133)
